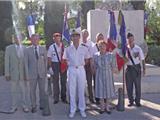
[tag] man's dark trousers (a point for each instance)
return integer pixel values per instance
(133, 77)
(89, 81)
(56, 77)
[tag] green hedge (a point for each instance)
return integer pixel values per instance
(28, 42)
(153, 56)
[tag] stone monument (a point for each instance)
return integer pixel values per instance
(98, 21)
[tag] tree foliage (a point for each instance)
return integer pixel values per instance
(153, 23)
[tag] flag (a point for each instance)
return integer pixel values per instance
(112, 41)
(122, 32)
(78, 21)
(65, 32)
(65, 38)
(112, 32)
(112, 27)
(31, 25)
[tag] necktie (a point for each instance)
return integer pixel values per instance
(36, 52)
(18, 50)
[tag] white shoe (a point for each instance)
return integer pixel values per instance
(25, 109)
(83, 114)
(71, 115)
(12, 110)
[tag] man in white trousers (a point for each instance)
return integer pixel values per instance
(76, 55)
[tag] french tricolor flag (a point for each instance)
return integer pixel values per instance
(31, 25)
(112, 41)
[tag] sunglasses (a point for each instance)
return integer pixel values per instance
(57, 36)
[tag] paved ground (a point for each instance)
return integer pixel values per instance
(149, 111)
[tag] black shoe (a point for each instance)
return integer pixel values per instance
(108, 112)
(97, 103)
(92, 101)
(41, 108)
(130, 104)
(138, 105)
(101, 111)
(33, 110)
(55, 102)
(65, 101)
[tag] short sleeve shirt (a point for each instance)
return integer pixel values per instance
(137, 60)
(89, 44)
(76, 57)
(52, 53)
(94, 50)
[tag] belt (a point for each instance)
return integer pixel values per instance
(55, 62)
(133, 65)
(79, 66)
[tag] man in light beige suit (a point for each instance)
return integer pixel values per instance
(36, 70)
(15, 73)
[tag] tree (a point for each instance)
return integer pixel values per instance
(86, 6)
(53, 18)
(138, 5)
(5, 22)
(153, 23)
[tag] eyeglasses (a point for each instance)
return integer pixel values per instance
(57, 36)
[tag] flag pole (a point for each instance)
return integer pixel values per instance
(123, 71)
(121, 91)
(123, 83)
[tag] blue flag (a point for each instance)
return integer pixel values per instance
(78, 21)
(112, 27)
(122, 31)
(65, 33)
(112, 33)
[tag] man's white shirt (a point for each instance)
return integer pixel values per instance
(52, 53)
(89, 44)
(137, 60)
(76, 57)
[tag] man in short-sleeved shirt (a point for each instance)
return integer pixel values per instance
(133, 72)
(54, 55)
(76, 56)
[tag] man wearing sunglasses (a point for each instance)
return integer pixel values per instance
(55, 53)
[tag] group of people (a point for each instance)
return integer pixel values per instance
(81, 62)
(25, 68)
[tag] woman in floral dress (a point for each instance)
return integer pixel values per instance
(104, 65)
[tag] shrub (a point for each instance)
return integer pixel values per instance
(153, 55)
(28, 42)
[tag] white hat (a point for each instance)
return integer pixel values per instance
(75, 32)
